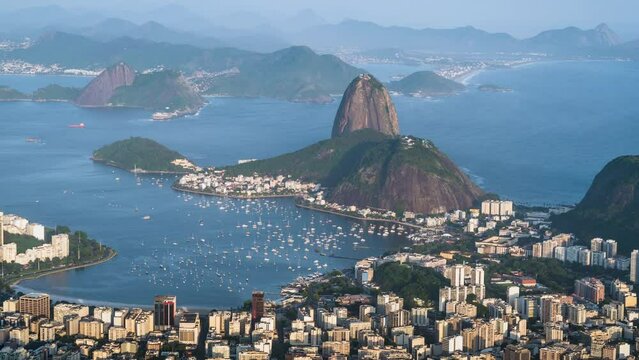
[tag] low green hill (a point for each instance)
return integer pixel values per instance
(51, 92)
(55, 92)
(327, 161)
(610, 208)
(294, 74)
(367, 168)
(141, 154)
(10, 94)
(425, 83)
(161, 91)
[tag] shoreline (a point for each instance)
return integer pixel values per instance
(45, 74)
(139, 171)
(297, 204)
(230, 196)
(40, 274)
(354, 217)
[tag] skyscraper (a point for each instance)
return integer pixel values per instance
(512, 294)
(164, 314)
(257, 305)
(596, 244)
(35, 304)
(610, 247)
(591, 289)
(477, 276)
(634, 266)
(457, 275)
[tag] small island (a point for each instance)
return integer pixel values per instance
(10, 94)
(47, 93)
(142, 155)
(493, 88)
(425, 83)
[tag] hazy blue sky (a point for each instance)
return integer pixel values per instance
(520, 18)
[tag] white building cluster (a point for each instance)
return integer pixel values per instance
(217, 183)
(365, 268)
(465, 280)
(58, 248)
(602, 253)
(15, 224)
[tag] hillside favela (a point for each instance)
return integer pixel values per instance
(319, 180)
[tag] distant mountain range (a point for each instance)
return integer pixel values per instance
(352, 34)
(113, 28)
(175, 24)
(172, 24)
(295, 73)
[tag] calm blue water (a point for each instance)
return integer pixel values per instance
(542, 143)
(194, 247)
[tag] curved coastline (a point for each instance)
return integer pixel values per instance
(297, 204)
(231, 196)
(40, 274)
(359, 218)
(138, 171)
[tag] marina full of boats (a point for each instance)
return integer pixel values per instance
(269, 236)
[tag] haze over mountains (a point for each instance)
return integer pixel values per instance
(177, 25)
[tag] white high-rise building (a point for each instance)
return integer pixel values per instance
(560, 253)
(457, 275)
(596, 244)
(60, 245)
(634, 266)
(496, 207)
(610, 247)
(36, 230)
(477, 276)
(572, 253)
(512, 294)
(104, 313)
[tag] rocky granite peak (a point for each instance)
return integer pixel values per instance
(100, 90)
(366, 104)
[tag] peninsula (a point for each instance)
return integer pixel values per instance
(29, 250)
(365, 164)
(166, 92)
(142, 155)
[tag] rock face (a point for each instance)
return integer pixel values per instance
(165, 90)
(367, 168)
(407, 174)
(610, 208)
(100, 90)
(366, 163)
(366, 105)
(572, 39)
